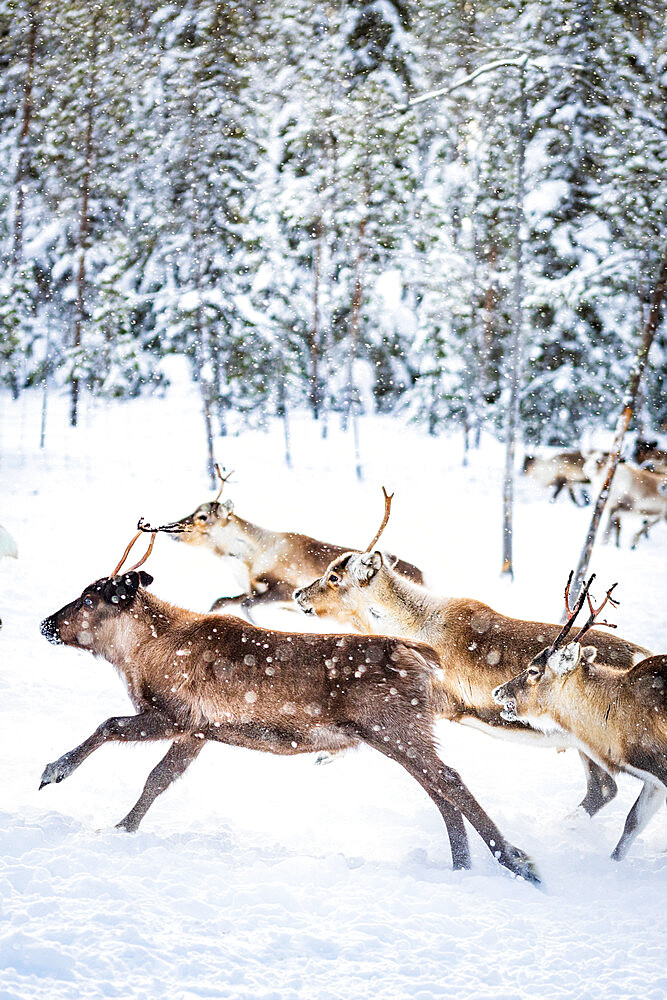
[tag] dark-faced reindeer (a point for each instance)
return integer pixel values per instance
(478, 647)
(619, 717)
(649, 456)
(560, 471)
(277, 562)
(195, 677)
(633, 491)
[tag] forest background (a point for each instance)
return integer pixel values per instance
(259, 186)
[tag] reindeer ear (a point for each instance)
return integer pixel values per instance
(365, 566)
(564, 661)
(227, 506)
(121, 591)
(390, 559)
(589, 653)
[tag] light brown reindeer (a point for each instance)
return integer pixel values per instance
(562, 470)
(478, 647)
(619, 718)
(632, 491)
(194, 678)
(276, 562)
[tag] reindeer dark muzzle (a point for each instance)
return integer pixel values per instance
(300, 597)
(502, 697)
(50, 631)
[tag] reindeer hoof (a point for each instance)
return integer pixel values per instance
(53, 773)
(523, 866)
(127, 825)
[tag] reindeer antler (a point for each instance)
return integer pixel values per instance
(594, 612)
(223, 480)
(387, 510)
(142, 526)
(573, 612)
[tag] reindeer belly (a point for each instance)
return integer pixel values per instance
(279, 740)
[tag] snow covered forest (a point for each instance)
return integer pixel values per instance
(262, 187)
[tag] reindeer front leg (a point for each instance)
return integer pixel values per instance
(118, 729)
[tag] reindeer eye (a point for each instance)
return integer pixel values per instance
(202, 517)
(333, 580)
(88, 601)
(533, 672)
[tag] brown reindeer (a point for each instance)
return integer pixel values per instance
(632, 491)
(619, 717)
(197, 677)
(562, 470)
(649, 456)
(479, 648)
(277, 562)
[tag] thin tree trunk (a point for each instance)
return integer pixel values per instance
(282, 413)
(354, 322)
(623, 422)
(84, 223)
(206, 394)
(516, 345)
(352, 397)
(23, 160)
(315, 330)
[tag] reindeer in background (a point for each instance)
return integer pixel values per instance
(195, 678)
(277, 562)
(478, 647)
(619, 717)
(632, 492)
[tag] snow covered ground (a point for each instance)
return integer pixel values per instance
(273, 878)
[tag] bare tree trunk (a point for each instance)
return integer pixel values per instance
(84, 224)
(353, 336)
(623, 421)
(202, 364)
(282, 413)
(315, 330)
(516, 345)
(352, 402)
(23, 159)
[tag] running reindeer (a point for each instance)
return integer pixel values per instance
(194, 678)
(632, 491)
(276, 562)
(478, 647)
(564, 470)
(618, 717)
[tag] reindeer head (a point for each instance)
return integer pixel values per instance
(206, 525)
(530, 694)
(343, 589)
(80, 622)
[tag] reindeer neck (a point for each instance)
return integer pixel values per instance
(243, 539)
(584, 705)
(119, 638)
(401, 607)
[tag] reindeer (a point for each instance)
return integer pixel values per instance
(479, 648)
(565, 469)
(619, 717)
(277, 562)
(647, 455)
(632, 491)
(194, 678)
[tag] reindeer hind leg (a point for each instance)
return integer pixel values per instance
(649, 801)
(175, 763)
(600, 786)
(445, 787)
